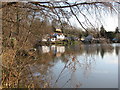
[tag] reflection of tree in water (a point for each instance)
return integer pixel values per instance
(89, 63)
(74, 66)
(33, 69)
(70, 66)
(117, 48)
(102, 52)
(106, 48)
(26, 71)
(95, 49)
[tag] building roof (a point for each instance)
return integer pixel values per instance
(59, 30)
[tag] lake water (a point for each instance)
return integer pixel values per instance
(77, 66)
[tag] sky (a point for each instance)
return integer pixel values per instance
(110, 22)
(106, 17)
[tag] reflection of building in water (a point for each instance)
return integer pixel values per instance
(58, 54)
(57, 50)
(45, 49)
(61, 49)
(53, 48)
(117, 49)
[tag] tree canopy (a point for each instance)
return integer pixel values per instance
(61, 11)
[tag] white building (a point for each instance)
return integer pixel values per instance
(58, 49)
(52, 39)
(60, 36)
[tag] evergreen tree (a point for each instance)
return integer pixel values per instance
(102, 31)
(117, 30)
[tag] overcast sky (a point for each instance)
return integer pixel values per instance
(109, 19)
(110, 22)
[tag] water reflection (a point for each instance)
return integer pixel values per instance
(45, 49)
(56, 50)
(94, 49)
(85, 66)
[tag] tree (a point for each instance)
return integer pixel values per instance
(117, 33)
(117, 30)
(102, 31)
(24, 23)
(63, 10)
(110, 35)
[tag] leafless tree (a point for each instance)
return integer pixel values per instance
(25, 22)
